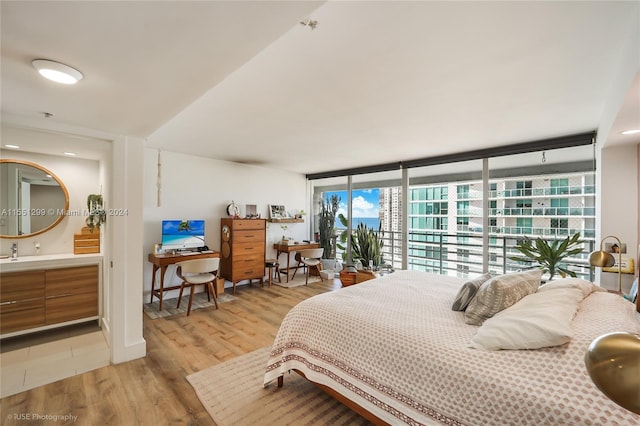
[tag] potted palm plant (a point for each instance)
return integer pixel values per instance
(550, 256)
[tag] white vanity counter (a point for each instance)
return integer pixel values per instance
(47, 261)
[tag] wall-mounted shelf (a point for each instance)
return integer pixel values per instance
(287, 220)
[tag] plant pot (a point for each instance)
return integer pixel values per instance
(348, 277)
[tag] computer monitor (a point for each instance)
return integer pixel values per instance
(182, 234)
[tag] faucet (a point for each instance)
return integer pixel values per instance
(14, 251)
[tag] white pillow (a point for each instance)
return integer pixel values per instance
(536, 321)
(587, 287)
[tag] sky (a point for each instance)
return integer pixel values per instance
(366, 202)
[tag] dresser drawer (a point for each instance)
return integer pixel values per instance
(247, 249)
(245, 237)
(248, 224)
(248, 260)
(248, 271)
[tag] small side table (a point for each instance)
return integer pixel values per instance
(272, 264)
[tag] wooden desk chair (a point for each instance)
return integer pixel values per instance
(307, 259)
(196, 272)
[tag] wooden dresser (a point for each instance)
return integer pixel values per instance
(242, 249)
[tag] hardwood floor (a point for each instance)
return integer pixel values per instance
(153, 390)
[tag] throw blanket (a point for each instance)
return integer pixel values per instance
(394, 346)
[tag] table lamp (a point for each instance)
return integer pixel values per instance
(612, 363)
(604, 259)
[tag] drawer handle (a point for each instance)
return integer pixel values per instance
(60, 295)
(15, 302)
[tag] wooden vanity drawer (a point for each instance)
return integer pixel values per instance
(21, 320)
(70, 307)
(21, 300)
(71, 293)
(18, 281)
(79, 280)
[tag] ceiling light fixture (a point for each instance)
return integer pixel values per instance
(57, 72)
(12, 146)
(70, 154)
(630, 132)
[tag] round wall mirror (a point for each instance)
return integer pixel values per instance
(33, 199)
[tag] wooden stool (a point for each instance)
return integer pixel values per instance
(271, 264)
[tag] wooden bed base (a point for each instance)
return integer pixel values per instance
(342, 399)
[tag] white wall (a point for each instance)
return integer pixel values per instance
(617, 167)
(617, 204)
(122, 260)
(201, 188)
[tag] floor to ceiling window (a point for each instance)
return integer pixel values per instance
(466, 217)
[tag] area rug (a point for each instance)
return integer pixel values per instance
(296, 282)
(169, 305)
(233, 394)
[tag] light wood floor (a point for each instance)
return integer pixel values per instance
(153, 390)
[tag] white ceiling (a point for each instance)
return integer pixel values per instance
(375, 82)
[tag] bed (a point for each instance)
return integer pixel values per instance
(393, 349)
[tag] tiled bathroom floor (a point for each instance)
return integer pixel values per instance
(29, 363)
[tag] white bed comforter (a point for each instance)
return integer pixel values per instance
(394, 346)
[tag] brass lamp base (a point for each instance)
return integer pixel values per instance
(613, 362)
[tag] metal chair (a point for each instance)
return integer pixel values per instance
(196, 272)
(309, 258)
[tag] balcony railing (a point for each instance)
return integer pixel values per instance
(544, 192)
(543, 211)
(461, 254)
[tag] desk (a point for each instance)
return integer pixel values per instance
(162, 262)
(288, 248)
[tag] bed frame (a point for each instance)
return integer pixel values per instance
(342, 399)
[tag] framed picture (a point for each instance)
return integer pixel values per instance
(251, 211)
(277, 212)
(614, 248)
